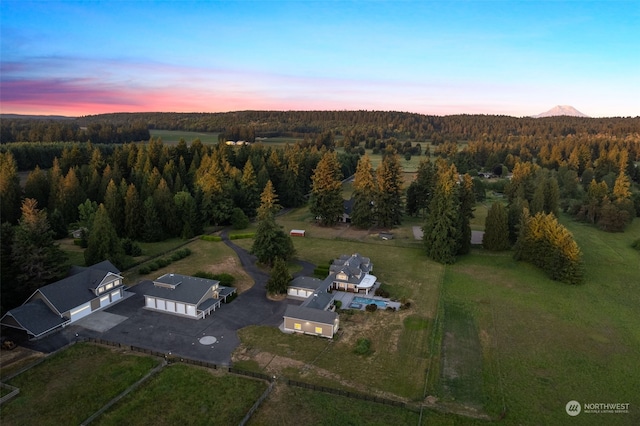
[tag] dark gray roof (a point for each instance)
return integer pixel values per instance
(77, 289)
(305, 282)
(225, 291)
(207, 304)
(310, 314)
(190, 290)
(320, 298)
(35, 317)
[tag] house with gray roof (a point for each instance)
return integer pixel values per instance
(316, 315)
(84, 291)
(186, 296)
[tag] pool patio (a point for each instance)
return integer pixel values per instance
(346, 299)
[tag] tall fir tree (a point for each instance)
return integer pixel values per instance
(151, 226)
(388, 203)
(326, 203)
(37, 187)
(467, 200)
(364, 190)
(279, 278)
(496, 229)
(113, 202)
(421, 189)
(37, 258)
(10, 191)
(133, 213)
(268, 202)
(104, 243)
(440, 232)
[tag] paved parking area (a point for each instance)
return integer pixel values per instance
(101, 321)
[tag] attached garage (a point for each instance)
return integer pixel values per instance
(116, 295)
(302, 287)
(104, 301)
(80, 312)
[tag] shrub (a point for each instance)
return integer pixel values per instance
(131, 248)
(144, 270)
(391, 308)
(371, 307)
(175, 257)
(225, 279)
(77, 241)
(381, 292)
(363, 347)
(636, 244)
(211, 237)
(162, 262)
(338, 304)
(239, 220)
(241, 236)
(153, 266)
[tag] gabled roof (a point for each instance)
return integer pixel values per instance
(185, 289)
(77, 289)
(34, 317)
(310, 314)
(320, 298)
(305, 282)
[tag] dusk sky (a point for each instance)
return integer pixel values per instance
(431, 57)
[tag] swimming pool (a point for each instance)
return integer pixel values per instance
(367, 301)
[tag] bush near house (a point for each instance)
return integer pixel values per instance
(363, 347)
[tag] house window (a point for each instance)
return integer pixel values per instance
(297, 326)
(109, 286)
(100, 290)
(318, 330)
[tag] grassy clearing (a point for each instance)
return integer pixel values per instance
(207, 256)
(172, 137)
(294, 406)
(545, 343)
(182, 394)
(53, 393)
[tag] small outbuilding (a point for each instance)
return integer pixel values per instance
(297, 232)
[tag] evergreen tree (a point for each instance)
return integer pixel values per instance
(166, 208)
(132, 213)
(496, 229)
(10, 191)
(548, 245)
(104, 243)
(187, 212)
(440, 231)
(364, 188)
(114, 204)
(279, 278)
(58, 225)
(249, 192)
(465, 213)
(420, 190)
(388, 203)
(37, 258)
(268, 202)
(326, 201)
(37, 187)
(151, 226)
(271, 242)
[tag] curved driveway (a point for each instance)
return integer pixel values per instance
(180, 336)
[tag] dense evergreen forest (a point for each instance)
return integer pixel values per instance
(98, 176)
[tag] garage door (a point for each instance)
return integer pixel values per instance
(171, 306)
(180, 308)
(160, 304)
(191, 310)
(104, 301)
(151, 302)
(115, 295)
(80, 312)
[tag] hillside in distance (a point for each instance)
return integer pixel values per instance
(560, 110)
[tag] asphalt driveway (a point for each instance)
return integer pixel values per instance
(181, 336)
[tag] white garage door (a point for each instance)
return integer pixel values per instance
(115, 295)
(191, 310)
(171, 306)
(160, 304)
(80, 312)
(104, 301)
(151, 302)
(180, 308)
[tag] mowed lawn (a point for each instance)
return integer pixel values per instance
(187, 395)
(545, 343)
(397, 367)
(70, 386)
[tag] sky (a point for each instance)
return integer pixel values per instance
(516, 58)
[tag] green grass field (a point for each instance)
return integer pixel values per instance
(186, 395)
(71, 385)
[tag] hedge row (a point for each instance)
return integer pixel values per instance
(164, 261)
(211, 237)
(241, 236)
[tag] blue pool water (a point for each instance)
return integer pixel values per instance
(366, 301)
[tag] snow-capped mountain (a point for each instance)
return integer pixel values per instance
(561, 110)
